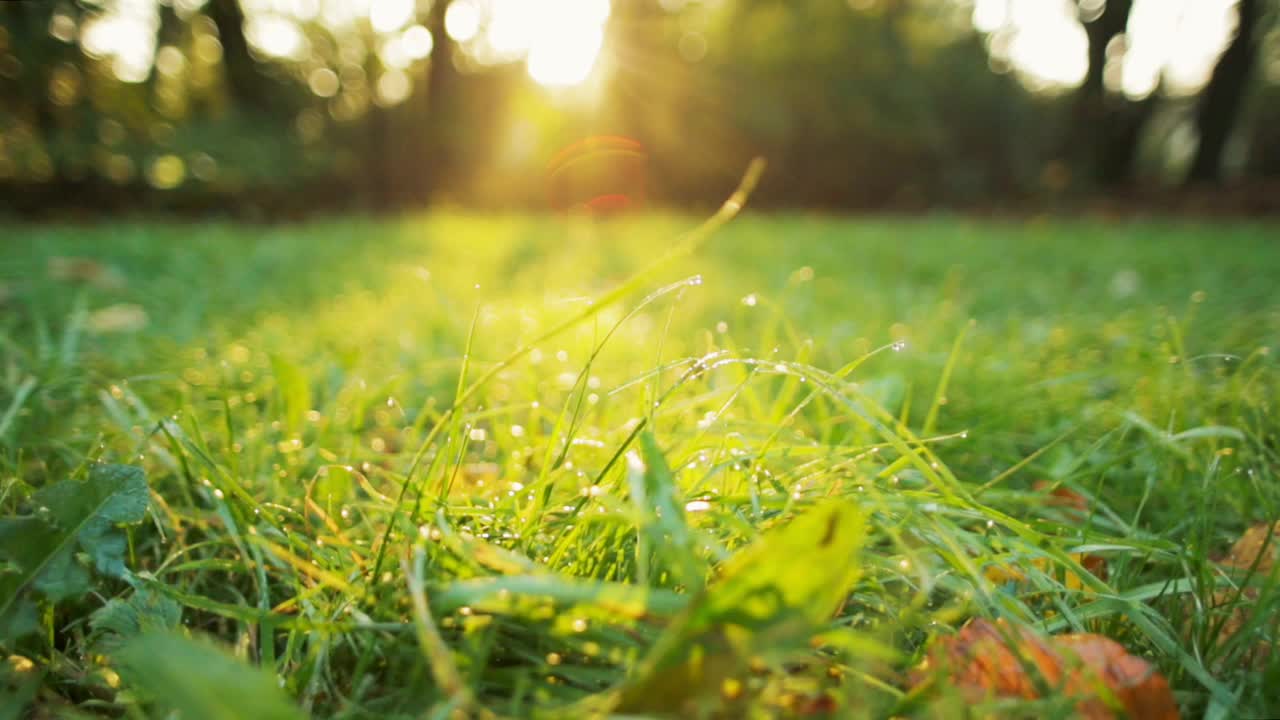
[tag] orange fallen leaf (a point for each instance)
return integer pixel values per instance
(1077, 506)
(1002, 660)
(86, 271)
(1256, 550)
(1063, 496)
(1005, 573)
(1257, 544)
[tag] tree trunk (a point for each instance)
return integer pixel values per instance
(1108, 126)
(1113, 22)
(247, 86)
(1224, 95)
(441, 121)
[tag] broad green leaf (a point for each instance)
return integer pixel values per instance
(143, 611)
(654, 493)
(201, 681)
(771, 599)
(113, 495)
(37, 552)
(19, 683)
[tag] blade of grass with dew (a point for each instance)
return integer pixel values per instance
(690, 243)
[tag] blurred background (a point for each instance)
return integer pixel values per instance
(280, 108)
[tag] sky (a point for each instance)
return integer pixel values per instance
(559, 40)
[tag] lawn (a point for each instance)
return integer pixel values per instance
(478, 465)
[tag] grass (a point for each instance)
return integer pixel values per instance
(546, 551)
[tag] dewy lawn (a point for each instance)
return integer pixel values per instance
(765, 480)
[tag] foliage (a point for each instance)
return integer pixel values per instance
(40, 549)
(875, 103)
(201, 681)
(763, 609)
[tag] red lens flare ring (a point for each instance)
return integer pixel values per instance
(598, 175)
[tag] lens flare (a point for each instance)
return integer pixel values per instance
(599, 175)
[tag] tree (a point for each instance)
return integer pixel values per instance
(1222, 99)
(442, 123)
(1107, 124)
(246, 83)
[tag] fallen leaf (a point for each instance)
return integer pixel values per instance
(1077, 507)
(1256, 551)
(1006, 573)
(1257, 545)
(120, 318)
(1001, 660)
(86, 271)
(1063, 496)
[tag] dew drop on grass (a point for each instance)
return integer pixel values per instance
(218, 493)
(579, 625)
(722, 327)
(750, 300)
(899, 346)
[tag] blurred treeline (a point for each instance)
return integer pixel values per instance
(290, 106)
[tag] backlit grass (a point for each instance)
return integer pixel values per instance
(564, 516)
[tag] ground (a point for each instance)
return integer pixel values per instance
(372, 472)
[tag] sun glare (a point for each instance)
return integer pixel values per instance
(564, 40)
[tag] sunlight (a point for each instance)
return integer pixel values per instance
(564, 40)
(1178, 40)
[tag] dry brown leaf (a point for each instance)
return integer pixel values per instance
(87, 271)
(1077, 506)
(1063, 497)
(1003, 573)
(1257, 550)
(1257, 544)
(119, 318)
(997, 660)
